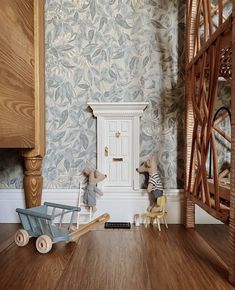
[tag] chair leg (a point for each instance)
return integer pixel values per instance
(78, 223)
(158, 224)
(146, 221)
(90, 213)
(154, 221)
(164, 218)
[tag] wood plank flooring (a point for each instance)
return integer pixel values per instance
(7, 232)
(217, 236)
(139, 258)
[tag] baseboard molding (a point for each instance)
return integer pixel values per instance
(121, 206)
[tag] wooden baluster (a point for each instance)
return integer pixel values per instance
(209, 19)
(205, 22)
(231, 267)
(215, 172)
(220, 11)
(197, 28)
(33, 181)
(189, 219)
(222, 133)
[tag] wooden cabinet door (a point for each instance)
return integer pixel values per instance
(17, 102)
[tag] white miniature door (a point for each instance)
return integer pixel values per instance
(118, 143)
(118, 154)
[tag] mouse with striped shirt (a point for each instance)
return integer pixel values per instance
(155, 188)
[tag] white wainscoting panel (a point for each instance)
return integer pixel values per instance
(120, 205)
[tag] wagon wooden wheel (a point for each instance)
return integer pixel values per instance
(43, 244)
(21, 238)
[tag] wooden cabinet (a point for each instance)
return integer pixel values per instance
(22, 87)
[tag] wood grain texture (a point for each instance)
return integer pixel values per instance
(39, 81)
(33, 270)
(118, 259)
(7, 232)
(189, 207)
(33, 181)
(206, 47)
(217, 237)
(189, 213)
(224, 189)
(232, 181)
(17, 74)
(209, 54)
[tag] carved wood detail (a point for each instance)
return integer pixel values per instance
(33, 181)
(232, 193)
(210, 41)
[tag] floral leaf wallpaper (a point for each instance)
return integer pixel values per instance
(111, 51)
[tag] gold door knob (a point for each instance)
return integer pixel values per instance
(106, 151)
(118, 134)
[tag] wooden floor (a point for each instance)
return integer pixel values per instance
(217, 236)
(135, 259)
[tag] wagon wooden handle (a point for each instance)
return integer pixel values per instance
(78, 233)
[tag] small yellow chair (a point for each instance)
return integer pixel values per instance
(157, 215)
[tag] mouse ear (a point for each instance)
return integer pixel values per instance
(96, 173)
(148, 163)
(87, 171)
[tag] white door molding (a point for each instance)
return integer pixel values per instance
(118, 109)
(122, 111)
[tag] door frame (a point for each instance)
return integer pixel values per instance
(122, 111)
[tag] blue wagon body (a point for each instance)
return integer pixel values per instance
(45, 220)
(46, 223)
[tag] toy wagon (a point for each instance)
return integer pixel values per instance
(46, 223)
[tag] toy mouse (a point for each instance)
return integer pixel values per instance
(94, 177)
(154, 182)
